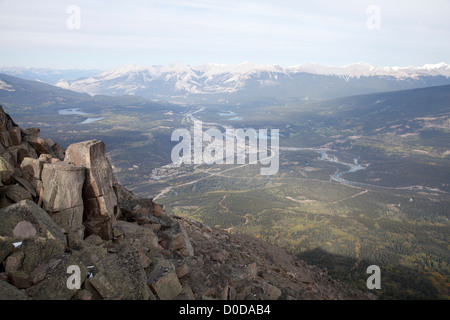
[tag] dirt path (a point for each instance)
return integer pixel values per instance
(221, 205)
(301, 201)
(353, 196)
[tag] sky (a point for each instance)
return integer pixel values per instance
(91, 34)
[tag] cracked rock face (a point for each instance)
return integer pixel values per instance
(62, 185)
(100, 198)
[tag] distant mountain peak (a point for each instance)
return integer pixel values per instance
(248, 82)
(352, 70)
(214, 82)
(441, 65)
(364, 69)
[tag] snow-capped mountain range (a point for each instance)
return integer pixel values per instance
(248, 82)
(361, 69)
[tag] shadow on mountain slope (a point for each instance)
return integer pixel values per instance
(397, 282)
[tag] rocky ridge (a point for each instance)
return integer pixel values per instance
(68, 230)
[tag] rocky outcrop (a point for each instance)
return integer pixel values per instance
(68, 230)
(99, 189)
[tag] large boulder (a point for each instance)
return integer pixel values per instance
(9, 292)
(134, 232)
(33, 231)
(99, 175)
(99, 193)
(15, 135)
(163, 279)
(5, 139)
(100, 213)
(104, 287)
(52, 277)
(6, 124)
(134, 208)
(42, 146)
(26, 184)
(6, 170)
(124, 274)
(24, 149)
(15, 154)
(28, 213)
(89, 253)
(17, 193)
(62, 185)
(70, 221)
(6, 247)
(176, 239)
(33, 167)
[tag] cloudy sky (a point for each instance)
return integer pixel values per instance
(106, 34)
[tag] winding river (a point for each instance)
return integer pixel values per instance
(353, 167)
(76, 111)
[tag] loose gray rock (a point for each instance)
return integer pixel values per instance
(9, 292)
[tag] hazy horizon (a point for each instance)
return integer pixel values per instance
(148, 65)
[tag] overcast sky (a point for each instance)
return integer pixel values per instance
(105, 34)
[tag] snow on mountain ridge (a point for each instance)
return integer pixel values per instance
(362, 69)
(213, 78)
(209, 70)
